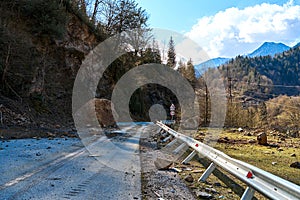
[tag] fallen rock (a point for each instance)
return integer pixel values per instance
(191, 123)
(198, 171)
(176, 169)
(274, 163)
(252, 141)
(211, 190)
(162, 164)
(295, 165)
(189, 178)
(187, 169)
(38, 154)
(293, 155)
(104, 111)
(203, 195)
(217, 184)
(294, 134)
(273, 145)
(57, 126)
(267, 152)
(248, 134)
(50, 134)
(262, 139)
(96, 109)
(280, 149)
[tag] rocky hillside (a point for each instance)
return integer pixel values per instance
(42, 45)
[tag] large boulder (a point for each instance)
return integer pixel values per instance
(262, 139)
(162, 164)
(191, 123)
(104, 113)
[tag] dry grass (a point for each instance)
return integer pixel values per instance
(264, 156)
(275, 160)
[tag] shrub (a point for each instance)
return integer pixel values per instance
(47, 18)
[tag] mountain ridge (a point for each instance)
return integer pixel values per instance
(269, 48)
(265, 49)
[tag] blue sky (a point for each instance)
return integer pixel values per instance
(228, 28)
(181, 15)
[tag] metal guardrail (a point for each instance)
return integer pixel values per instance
(256, 179)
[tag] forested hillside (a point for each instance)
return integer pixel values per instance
(265, 76)
(42, 45)
(263, 91)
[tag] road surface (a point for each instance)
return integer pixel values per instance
(66, 169)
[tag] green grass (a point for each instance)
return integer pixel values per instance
(263, 156)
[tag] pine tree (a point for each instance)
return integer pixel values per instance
(171, 54)
(190, 72)
(151, 55)
(181, 68)
(156, 52)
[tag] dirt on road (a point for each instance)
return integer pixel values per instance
(159, 184)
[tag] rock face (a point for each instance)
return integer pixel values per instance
(46, 65)
(262, 139)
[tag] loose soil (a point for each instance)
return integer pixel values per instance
(23, 133)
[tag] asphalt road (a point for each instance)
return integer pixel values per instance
(66, 169)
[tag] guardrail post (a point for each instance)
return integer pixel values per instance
(160, 130)
(167, 138)
(189, 157)
(248, 194)
(207, 172)
(164, 133)
(171, 143)
(179, 148)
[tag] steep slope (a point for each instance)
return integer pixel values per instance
(39, 59)
(42, 46)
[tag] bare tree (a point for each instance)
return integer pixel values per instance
(95, 10)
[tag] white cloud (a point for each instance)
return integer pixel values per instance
(239, 31)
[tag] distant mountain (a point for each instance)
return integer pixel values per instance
(297, 45)
(212, 63)
(265, 77)
(269, 48)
